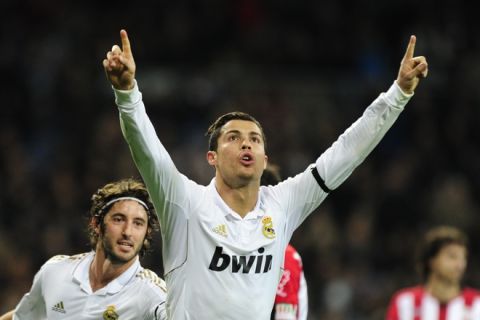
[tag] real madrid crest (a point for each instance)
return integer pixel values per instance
(110, 313)
(267, 228)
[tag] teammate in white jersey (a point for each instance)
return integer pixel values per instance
(443, 260)
(109, 282)
(224, 243)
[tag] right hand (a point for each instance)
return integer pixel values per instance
(119, 65)
(412, 69)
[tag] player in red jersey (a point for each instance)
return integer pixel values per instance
(291, 301)
(443, 260)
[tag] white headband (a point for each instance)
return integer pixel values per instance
(125, 198)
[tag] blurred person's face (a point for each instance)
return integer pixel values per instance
(240, 155)
(450, 263)
(125, 229)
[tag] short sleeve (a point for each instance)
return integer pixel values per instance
(32, 305)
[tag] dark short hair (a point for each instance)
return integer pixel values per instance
(123, 188)
(434, 241)
(271, 175)
(213, 132)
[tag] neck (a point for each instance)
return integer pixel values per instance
(240, 199)
(102, 271)
(442, 290)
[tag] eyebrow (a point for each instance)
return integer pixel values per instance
(140, 219)
(118, 214)
(251, 133)
(124, 215)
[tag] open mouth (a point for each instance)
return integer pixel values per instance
(247, 159)
(126, 245)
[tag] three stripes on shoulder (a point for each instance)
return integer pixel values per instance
(151, 276)
(62, 257)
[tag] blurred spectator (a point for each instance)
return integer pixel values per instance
(442, 263)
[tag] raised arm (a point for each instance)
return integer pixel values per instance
(336, 164)
(356, 143)
(164, 182)
(151, 158)
(170, 191)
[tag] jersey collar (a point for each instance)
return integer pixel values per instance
(118, 283)
(81, 276)
(227, 211)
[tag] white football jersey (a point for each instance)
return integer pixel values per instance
(217, 264)
(61, 290)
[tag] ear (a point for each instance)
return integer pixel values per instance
(95, 225)
(212, 158)
(265, 163)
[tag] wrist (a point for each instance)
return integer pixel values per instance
(124, 86)
(403, 89)
(127, 96)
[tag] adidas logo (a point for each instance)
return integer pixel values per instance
(59, 307)
(221, 229)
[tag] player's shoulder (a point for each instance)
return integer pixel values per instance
(292, 254)
(409, 291)
(471, 293)
(60, 264)
(290, 250)
(66, 258)
(151, 279)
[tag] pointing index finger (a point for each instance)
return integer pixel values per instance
(410, 48)
(127, 51)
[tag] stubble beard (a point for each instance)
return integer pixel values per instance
(114, 258)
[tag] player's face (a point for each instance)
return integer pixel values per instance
(240, 156)
(450, 263)
(126, 225)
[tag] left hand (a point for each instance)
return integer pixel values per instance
(412, 69)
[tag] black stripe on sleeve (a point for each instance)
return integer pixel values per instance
(156, 310)
(320, 181)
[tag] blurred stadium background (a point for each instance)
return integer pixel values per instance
(305, 69)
